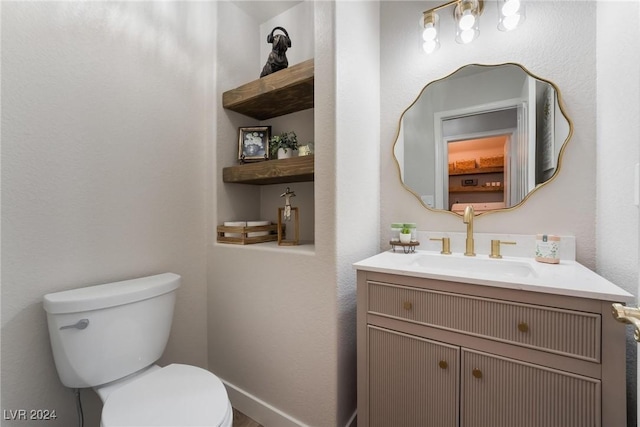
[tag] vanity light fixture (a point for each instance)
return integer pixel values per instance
(431, 32)
(467, 13)
(467, 16)
(512, 14)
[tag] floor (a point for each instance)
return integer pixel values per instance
(241, 420)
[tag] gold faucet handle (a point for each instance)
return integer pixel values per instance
(446, 245)
(495, 248)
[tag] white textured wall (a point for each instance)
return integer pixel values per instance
(594, 62)
(618, 151)
(105, 119)
(545, 45)
(282, 321)
(272, 313)
(618, 141)
(357, 112)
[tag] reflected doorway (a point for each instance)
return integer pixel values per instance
(477, 173)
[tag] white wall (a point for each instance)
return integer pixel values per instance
(282, 320)
(271, 312)
(618, 151)
(107, 130)
(618, 141)
(357, 43)
(566, 206)
(597, 74)
(105, 126)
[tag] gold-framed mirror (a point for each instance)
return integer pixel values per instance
(485, 135)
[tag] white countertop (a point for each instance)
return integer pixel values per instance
(566, 278)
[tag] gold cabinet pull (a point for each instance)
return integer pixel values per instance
(477, 373)
(443, 364)
(523, 327)
(407, 305)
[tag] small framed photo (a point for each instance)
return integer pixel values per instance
(253, 143)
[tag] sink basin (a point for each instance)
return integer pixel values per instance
(473, 265)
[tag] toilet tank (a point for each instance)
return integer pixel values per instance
(105, 332)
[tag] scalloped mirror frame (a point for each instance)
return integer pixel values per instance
(561, 106)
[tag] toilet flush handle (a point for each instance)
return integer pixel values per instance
(80, 324)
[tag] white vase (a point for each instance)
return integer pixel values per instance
(285, 155)
(405, 238)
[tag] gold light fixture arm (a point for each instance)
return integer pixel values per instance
(451, 3)
(630, 315)
(442, 6)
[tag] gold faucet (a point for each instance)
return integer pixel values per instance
(468, 219)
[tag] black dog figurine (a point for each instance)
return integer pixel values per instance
(277, 59)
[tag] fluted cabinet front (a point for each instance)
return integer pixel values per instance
(412, 381)
(502, 392)
(434, 353)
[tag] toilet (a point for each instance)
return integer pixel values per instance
(109, 337)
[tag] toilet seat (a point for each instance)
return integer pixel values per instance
(176, 395)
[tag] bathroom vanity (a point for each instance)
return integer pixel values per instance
(448, 340)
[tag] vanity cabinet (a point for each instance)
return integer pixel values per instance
(420, 374)
(439, 353)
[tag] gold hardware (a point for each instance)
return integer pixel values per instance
(468, 219)
(495, 248)
(397, 144)
(477, 373)
(443, 364)
(407, 305)
(446, 245)
(630, 315)
(523, 327)
(480, 7)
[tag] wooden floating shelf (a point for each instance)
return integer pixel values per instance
(295, 169)
(475, 171)
(475, 189)
(283, 92)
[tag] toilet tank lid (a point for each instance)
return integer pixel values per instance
(110, 294)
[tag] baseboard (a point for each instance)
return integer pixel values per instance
(263, 413)
(259, 410)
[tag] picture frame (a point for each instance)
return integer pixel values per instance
(253, 143)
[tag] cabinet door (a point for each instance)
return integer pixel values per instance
(501, 392)
(412, 381)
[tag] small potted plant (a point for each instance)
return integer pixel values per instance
(405, 235)
(282, 146)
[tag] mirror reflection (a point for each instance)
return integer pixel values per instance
(486, 135)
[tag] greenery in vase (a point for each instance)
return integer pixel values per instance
(286, 140)
(405, 230)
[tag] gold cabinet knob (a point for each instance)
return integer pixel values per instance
(523, 327)
(407, 305)
(477, 373)
(443, 364)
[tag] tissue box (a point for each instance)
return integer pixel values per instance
(548, 248)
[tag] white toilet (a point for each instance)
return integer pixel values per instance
(109, 336)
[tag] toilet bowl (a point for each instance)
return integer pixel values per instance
(176, 395)
(109, 337)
